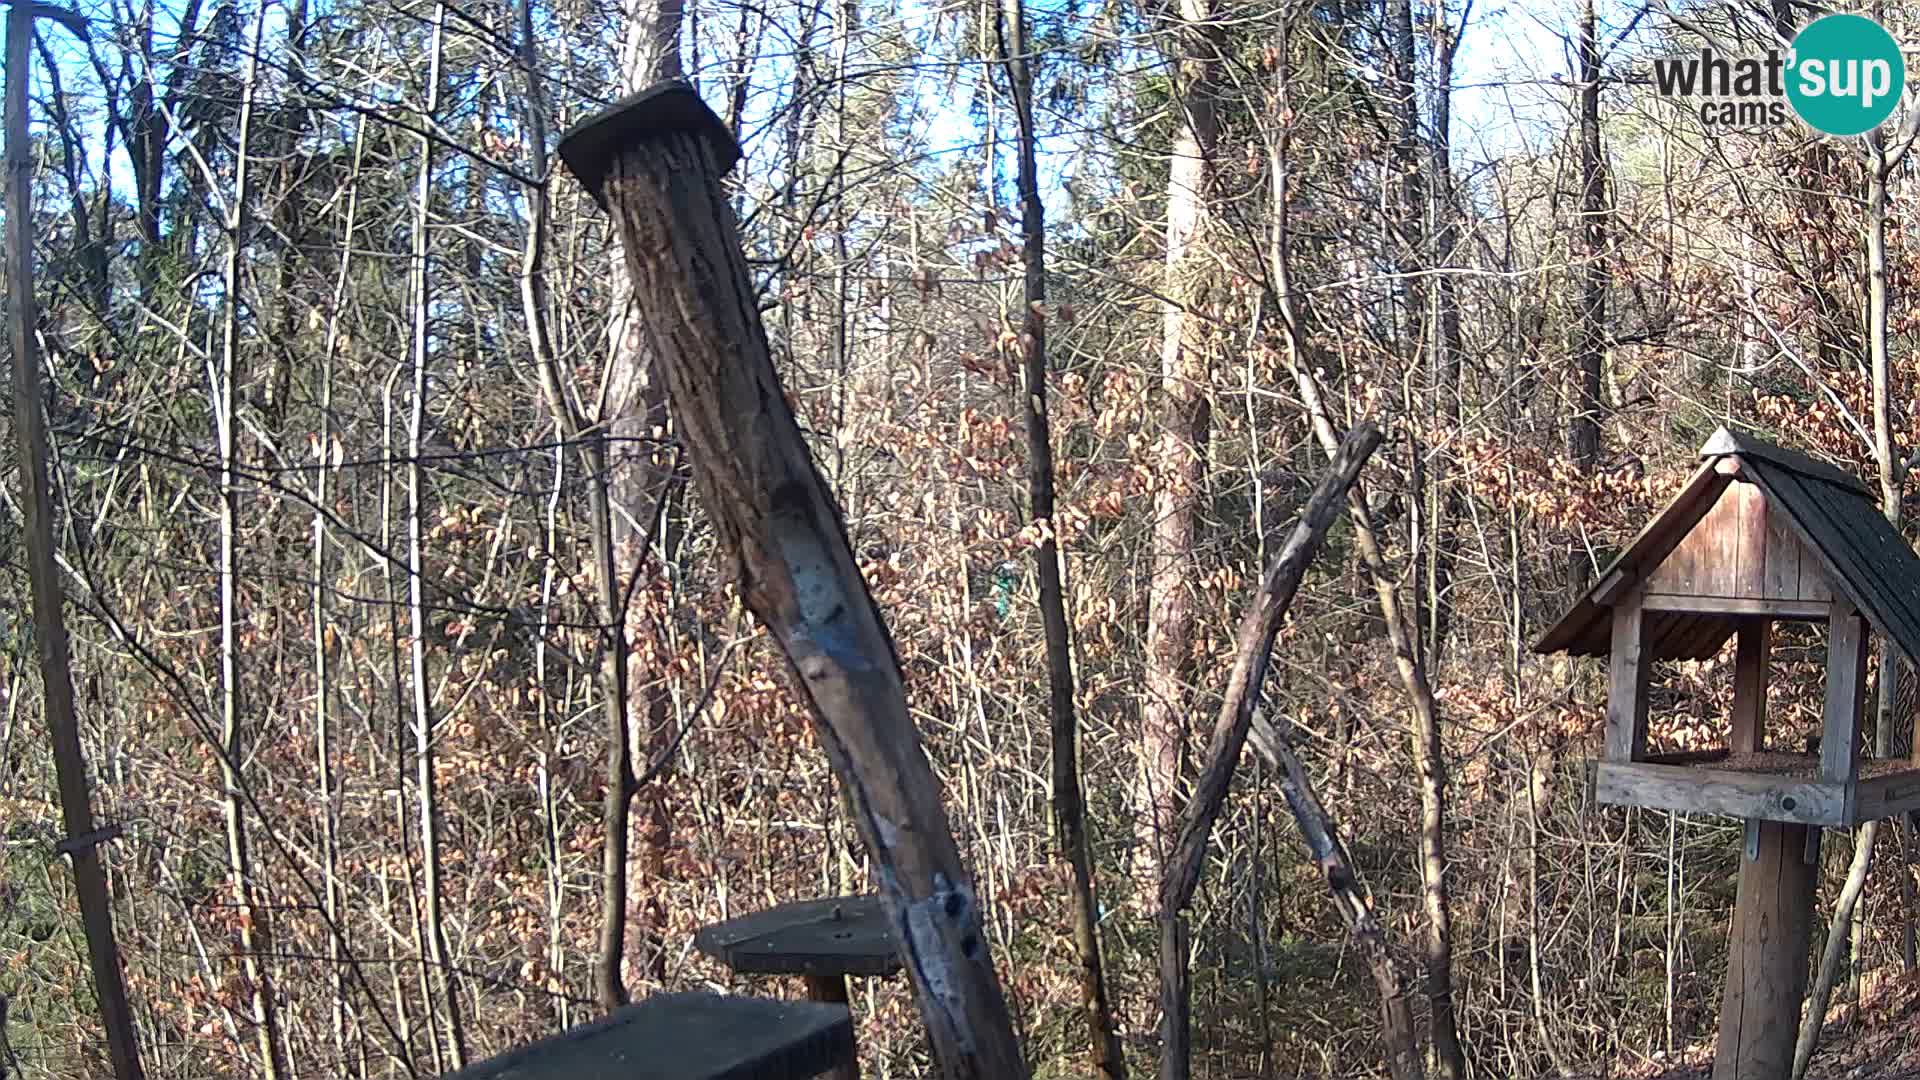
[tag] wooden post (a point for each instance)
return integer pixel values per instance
(1752, 650)
(49, 616)
(1846, 694)
(1628, 668)
(655, 161)
(832, 989)
(1767, 958)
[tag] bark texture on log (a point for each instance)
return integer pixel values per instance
(780, 527)
(1180, 450)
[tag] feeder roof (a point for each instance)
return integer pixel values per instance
(1832, 513)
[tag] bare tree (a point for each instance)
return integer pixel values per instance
(1588, 344)
(1180, 454)
(1069, 806)
(1253, 649)
(256, 937)
(49, 616)
(424, 736)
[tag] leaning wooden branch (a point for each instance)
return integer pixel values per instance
(1253, 652)
(1348, 893)
(656, 161)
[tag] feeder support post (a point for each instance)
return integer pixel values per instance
(1767, 956)
(655, 161)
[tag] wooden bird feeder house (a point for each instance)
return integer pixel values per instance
(1758, 535)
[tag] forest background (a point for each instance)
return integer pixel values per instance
(320, 247)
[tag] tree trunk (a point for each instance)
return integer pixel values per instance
(426, 777)
(255, 933)
(1069, 807)
(1180, 453)
(1845, 927)
(1444, 352)
(320, 595)
(1348, 893)
(1589, 328)
(49, 616)
(1428, 756)
(1835, 950)
(1424, 736)
(634, 473)
(780, 528)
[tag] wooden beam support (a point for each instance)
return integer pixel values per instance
(1628, 670)
(1888, 796)
(832, 990)
(1767, 957)
(656, 160)
(1697, 790)
(1846, 695)
(1738, 607)
(1751, 653)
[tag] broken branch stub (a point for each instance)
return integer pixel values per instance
(655, 161)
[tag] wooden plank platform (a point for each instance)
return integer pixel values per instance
(847, 935)
(1889, 795)
(1759, 786)
(686, 1037)
(1719, 791)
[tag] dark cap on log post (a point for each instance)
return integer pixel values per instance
(665, 108)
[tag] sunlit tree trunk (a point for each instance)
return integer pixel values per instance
(1179, 454)
(256, 937)
(423, 705)
(327, 452)
(636, 472)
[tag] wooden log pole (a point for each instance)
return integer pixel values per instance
(1767, 957)
(655, 161)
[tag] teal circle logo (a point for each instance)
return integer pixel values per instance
(1845, 74)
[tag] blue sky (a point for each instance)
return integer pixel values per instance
(1510, 84)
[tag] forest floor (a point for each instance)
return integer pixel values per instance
(1878, 1039)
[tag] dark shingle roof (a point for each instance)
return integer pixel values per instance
(1834, 515)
